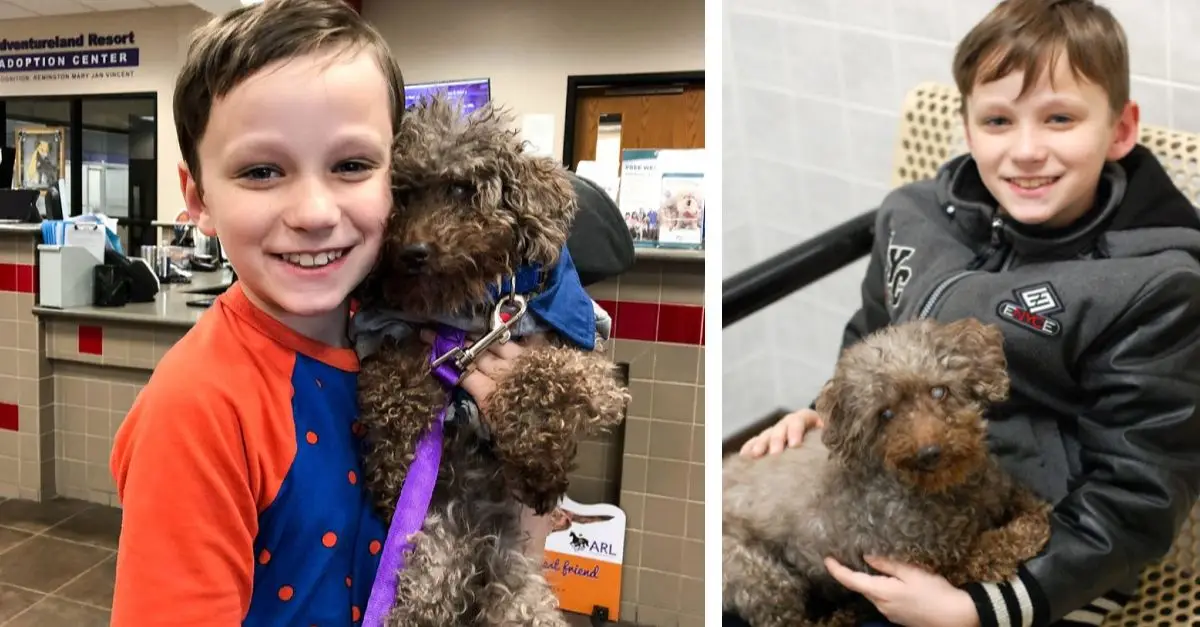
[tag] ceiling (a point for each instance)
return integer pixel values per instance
(16, 9)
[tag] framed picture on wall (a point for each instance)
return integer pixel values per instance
(41, 156)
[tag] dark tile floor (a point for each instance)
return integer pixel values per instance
(57, 561)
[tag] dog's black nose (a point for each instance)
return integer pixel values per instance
(928, 456)
(415, 255)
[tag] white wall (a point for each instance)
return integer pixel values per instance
(528, 48)
(161, 36)
(812, 96)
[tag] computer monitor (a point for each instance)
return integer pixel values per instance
(473, 93)
(8, 163)
(19, 205)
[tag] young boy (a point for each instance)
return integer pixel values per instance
(238, 466)
(1062, 231)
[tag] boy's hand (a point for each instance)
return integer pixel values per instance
(490, 365)
(909, 596)
(789, 432)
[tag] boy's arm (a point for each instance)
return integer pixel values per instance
(189, 514)
(1141, 451)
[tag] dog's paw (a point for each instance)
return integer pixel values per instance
(548, 400)
(579, 387)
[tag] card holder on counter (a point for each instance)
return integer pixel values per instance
(65, 276)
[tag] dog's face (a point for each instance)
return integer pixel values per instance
(686, 205)
(470, 207)
(911, 399)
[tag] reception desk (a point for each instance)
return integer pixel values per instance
(69, 376)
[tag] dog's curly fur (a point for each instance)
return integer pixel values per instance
(481, 206)
(901, 470)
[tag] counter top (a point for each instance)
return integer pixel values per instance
(169, 308)
(20, 227)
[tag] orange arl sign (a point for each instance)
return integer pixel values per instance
(584, 556)
(581, 583)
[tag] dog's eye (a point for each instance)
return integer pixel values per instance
(459, 191)
(939, 392)
(887, 414)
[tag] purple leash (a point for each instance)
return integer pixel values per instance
(416, 492)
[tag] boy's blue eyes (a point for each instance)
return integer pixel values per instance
(355, 166)
(262, 173)
(258, 174)
(1054, 119)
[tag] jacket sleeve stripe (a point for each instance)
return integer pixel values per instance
(1011, 603)
(999, 606)
(1108, 604)
(1024, 602)
(1082, 617)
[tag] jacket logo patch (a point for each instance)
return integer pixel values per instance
(897, 270)
(1032, 309)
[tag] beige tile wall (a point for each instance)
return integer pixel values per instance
(93, 393)
(654, 468)
(90, 404)
(26, 455)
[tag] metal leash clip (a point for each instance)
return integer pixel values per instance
(501, 332)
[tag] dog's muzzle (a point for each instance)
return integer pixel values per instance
(927, 458)
(414, 258)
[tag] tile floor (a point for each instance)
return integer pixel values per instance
(57, 561)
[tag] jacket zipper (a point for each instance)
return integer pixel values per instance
(940, 290)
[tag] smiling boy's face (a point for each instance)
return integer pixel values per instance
(296, 182)
(1040, 154)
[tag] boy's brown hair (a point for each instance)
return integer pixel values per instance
(1031, 35)
(232, 47)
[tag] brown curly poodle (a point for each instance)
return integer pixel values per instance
(901, 470)
(472, 207)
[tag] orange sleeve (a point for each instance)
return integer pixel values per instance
(190, 506)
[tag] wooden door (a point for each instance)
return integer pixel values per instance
(667, 117)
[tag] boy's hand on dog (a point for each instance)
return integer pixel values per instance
(491, 365)
(788, 432)
(908, 595)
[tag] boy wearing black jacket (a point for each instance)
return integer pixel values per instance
(1063, 231)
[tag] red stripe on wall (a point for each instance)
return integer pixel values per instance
(91, 340)
(25, 279)
(680, 324)
(16, 277)
(9, 417)
(654, 322)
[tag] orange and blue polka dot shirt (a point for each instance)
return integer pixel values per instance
(239, 475)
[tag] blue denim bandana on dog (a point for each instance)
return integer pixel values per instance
(556, 299)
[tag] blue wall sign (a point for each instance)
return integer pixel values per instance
(87, 55)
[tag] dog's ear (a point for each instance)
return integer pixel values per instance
(831, 408)
(538, 192)
(977, 351)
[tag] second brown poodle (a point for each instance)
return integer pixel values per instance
(901, 471)
(477, 240)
